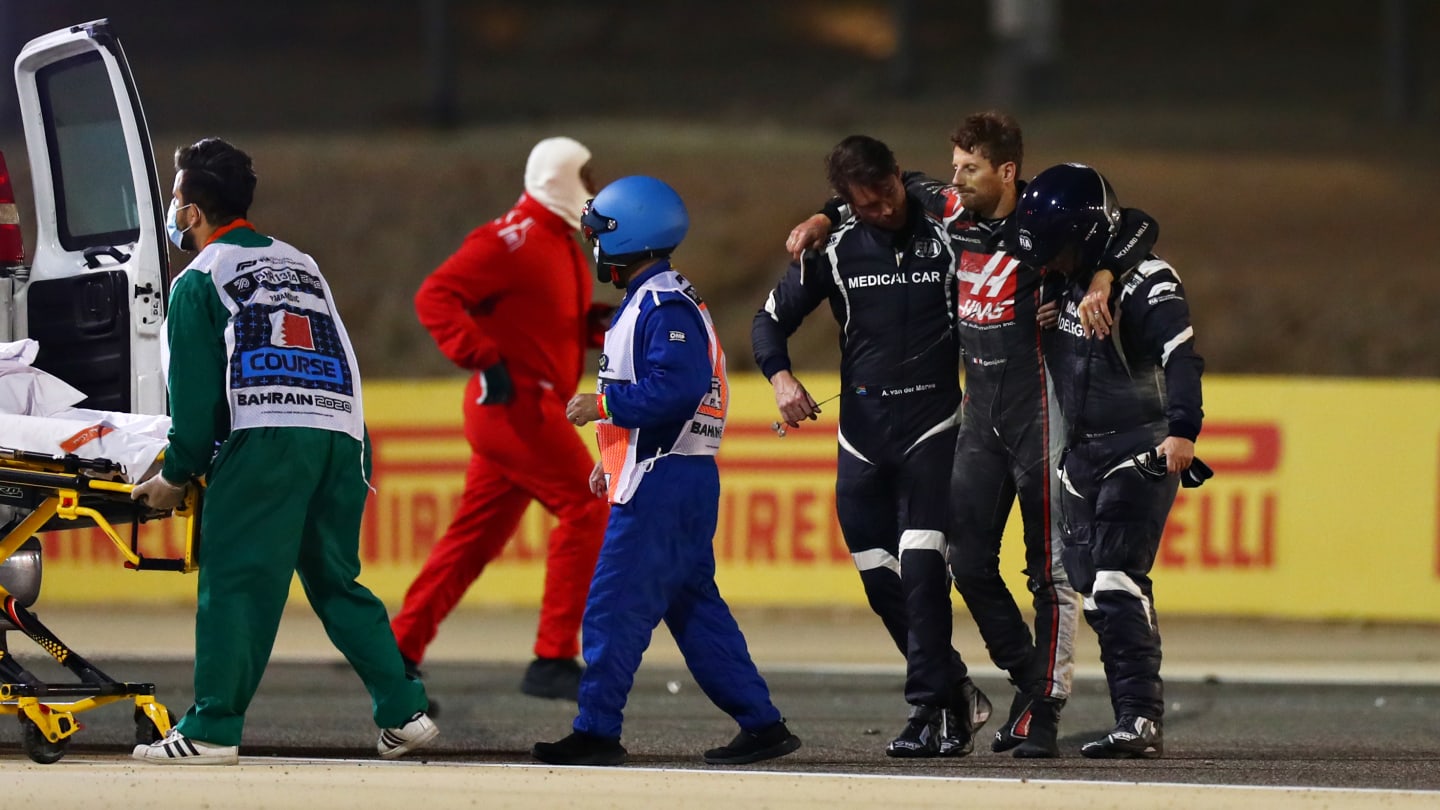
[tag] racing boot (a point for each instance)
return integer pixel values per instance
(580, 748)
(1132, 738)
(922, 734)
(1043, 728)
(973, 704)
(774, 740)
(1017, 724)
(955, 741)
(971, 710)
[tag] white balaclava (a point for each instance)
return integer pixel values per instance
(552, 176)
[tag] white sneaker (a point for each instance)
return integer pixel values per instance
(397, 742)
(177, 749)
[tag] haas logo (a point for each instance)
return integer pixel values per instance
(291, 331)
(987, 287)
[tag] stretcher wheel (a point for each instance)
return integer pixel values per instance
(39, 749)
(145, 730)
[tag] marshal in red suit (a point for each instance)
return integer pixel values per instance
(513, 306)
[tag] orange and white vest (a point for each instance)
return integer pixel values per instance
(627, 454)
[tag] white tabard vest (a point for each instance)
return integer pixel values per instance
(290, 362)
(620, 454)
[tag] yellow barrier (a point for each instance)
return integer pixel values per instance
(1325, 504)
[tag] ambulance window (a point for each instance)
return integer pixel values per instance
(94, 191)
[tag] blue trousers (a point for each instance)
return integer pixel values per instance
(658, 563)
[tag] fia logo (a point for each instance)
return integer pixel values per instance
(927, 248)
(1024, 239)
(1164, 291)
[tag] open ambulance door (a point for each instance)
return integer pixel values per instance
(96, 291)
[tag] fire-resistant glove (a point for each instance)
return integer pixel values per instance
(598, 317)
(495, 386)
(157, 493)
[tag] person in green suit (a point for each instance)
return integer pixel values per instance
(266, 406)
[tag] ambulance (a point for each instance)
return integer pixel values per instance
(93, 292)
(92, 295)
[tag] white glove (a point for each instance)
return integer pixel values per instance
(157, 493)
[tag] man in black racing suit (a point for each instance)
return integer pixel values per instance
(888, 277)
(1006, 436)
(1132, 402)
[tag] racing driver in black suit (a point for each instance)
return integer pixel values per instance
(1132, 406)
(1008, 433)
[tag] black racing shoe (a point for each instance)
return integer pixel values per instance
(775, 740)
(1043, 724)
(922, 735)
(554, 678)
(972, 707)
(1132, 738)
(580, 749)
(955, 741)
(1017, 725)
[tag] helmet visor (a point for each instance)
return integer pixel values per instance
(593, 224)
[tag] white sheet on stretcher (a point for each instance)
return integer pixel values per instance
(37, 415)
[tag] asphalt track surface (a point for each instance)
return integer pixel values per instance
(1363, 710)
(1216, 733)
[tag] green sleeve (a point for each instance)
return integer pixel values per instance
(199, 405)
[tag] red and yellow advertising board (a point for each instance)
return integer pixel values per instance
(1325, 504)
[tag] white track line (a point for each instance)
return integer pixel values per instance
(984, 780)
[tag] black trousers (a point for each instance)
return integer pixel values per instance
(997, 460)
(893, 511)
(1113, 520)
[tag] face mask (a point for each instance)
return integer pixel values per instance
(180, 239)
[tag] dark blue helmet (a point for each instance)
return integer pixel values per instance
(632, 219)
(1065, 205)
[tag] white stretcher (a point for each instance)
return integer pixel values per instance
(61, 468)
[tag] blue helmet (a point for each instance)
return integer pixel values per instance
(1066, 205)
(632, 219)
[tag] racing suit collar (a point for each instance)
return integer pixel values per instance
(913, 213)
(542, 214)
(232, 225)
(650, 272)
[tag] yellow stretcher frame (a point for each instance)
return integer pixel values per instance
(73, 493)
(61, 491)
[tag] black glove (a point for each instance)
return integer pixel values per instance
(1135, 238)
(1151, 464)
(495, 386)
(1196, 474)
(600, 315)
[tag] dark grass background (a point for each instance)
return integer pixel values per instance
(1300, 217)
